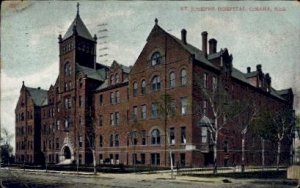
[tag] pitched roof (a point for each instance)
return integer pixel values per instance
(199, 55)
(251, 74)
(80, 28)
(38, 95)
(98, 74)
(239, 75)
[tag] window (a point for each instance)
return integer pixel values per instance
(154, 110)
(112, 98)
(144, 112)
(184, 105)
(101, 100)
(117, 78)
(100, 120)
(68, 69)
(205, 107)
(111, 140)
(155, 137)
(204, 134)
(112, 80)
(182, 159)
(80, 141)
(183, 77)
(172, 80)
(156, 83)
(205, 80)
(79, 100)
(66, 123)
(225, 146)
(155, 159)
(143, 88)
(214, 83)
(112, 119)
(100, 141)
(155, 58)
(144, 137)
(172, 136)
(117, 118)
(117, 97)
(143, 158)
(135, 89)
(182, 135)
(134, 113)
(117, 140)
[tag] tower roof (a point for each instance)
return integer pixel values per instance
(80, 27)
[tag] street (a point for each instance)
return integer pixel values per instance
(18, 178)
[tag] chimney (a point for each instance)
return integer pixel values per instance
(268, 80)
(212, 46)
(258, 67)
(248, 69)
(204, 42)
(183, 36)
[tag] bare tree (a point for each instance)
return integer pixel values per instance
(223, 108)
(248, 112)
(167, 108)
(283, 125)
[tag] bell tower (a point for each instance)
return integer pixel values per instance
(77, 46)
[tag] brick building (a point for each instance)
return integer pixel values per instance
(117, 111)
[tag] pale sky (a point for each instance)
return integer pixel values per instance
(29, 31)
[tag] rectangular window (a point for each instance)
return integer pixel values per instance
(79, 101)
(117, 118)
(112, 98)
(155, 159)
(117, 97)
(134, 113)
(100, 120)
(144, 112)
(154, 110)
(184, 105)
(100, 141)
(143, 158)
(182, 135)
(205, 107)
(101, 100)
(182, 159)
(57, 143)
(172, 136)
(80, 141)
(144, 137)
(117, 140)
(204, 134)
(112, 119)
(111, 140)
(205, 75)
(101, 158)
(214, 83)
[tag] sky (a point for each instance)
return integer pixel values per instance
(256, 32)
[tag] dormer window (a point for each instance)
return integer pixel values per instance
(155, 58)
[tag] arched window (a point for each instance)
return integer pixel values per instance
(117, 78)
(172, 80)
(135, 89)
(183, 77)
(67, 69)
(156, 83)
(112, 80)
(143, 88)
(155, 58)
(155, 137)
